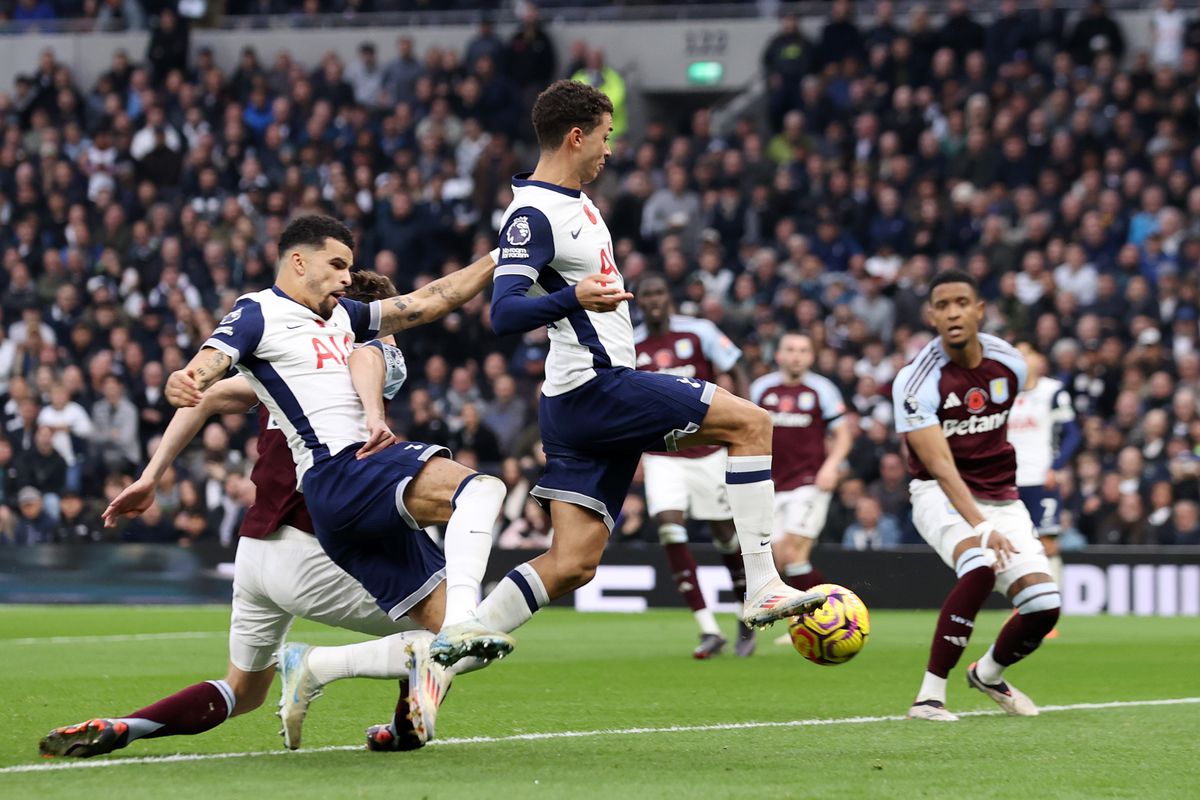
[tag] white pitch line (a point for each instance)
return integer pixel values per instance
(118, 637)
(530, 737)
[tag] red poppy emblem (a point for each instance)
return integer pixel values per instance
(591, 217)
(976, 400)
(787, 404)
(663, 358)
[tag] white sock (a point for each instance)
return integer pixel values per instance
(932, 688)
(988, 670)
(514, 600)
(468, 542)
(378, 658)
(706, 621)
(752, 497)
(1056, 569)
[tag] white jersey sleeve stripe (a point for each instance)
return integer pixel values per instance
(516, 269)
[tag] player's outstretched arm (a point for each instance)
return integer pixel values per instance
(839, 448)
(230, 396)
(514, 311)
(931, 447)
(185, 388)
(368, 372)
(436, 299)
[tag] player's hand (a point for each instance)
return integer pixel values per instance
(182, 390)
(133, 500)
(1051, 480)
(997, 542)
(379, 437)
(600, 293)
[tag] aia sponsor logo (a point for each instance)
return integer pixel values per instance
(975, 400)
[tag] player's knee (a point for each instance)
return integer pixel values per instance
(672, 533)
(973, 565)
(1039, 598)
(480, 489)
(577, 571)
(756, 427)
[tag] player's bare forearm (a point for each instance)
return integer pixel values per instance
(931, 447)
(436, 299)
(209, 366)
(368, 369)
(230, 396)
(843, 440)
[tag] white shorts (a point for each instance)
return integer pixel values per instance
(288, 575)
(943, 528)
(695, 486)
(801, 512)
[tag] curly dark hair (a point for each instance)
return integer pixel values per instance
(311, 230)
(366, 286)
(564, 105)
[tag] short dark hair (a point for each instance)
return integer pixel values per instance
(954, 276)
(366, 286)
(564, 105)
(653, 277)
(311, 230)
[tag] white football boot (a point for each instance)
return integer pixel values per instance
(932, 710)
(777, 601)
(299, 688)
(1014, 702)
(428, 682)
(469, 638)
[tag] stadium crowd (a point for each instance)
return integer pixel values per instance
(1056, 167)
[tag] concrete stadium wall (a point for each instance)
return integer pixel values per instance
(653, 55)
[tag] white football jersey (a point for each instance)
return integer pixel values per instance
(298, 365)
(1031, 428)
(555, 237)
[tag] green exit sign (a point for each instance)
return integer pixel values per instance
(705, 73)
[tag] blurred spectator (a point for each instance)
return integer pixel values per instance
(43, 468)
(530, 531)
(32, 525)
(872, 529)
(598, 74)
(115, 433)
(366, 77)
(168, 48)
(1096, 33)
(78, 521)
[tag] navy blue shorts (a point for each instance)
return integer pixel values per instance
(1045, 508)
(358, 510)
(595, 435)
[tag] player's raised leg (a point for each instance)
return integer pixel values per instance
(746, 430)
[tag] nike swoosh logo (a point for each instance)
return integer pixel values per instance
(293, 327)
(764, 543)
(575, 233)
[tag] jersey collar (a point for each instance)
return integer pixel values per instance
(287, 296)
(522, 179)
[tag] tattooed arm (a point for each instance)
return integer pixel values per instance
(436, 299)
(185, 388)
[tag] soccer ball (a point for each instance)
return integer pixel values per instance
(835, 632)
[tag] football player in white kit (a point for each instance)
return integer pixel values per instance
(597, 413)
(280, 573)
(1043, 431)
(293, 342)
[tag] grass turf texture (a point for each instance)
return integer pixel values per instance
(582, 672)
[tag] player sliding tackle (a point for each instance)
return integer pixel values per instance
(597, 413)
(280, 573)
(952, 405)
(293, 343)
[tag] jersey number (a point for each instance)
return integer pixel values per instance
(607, 267)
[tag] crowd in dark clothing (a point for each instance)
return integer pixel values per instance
(1030, 150)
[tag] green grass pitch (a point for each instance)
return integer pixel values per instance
(605, 675)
